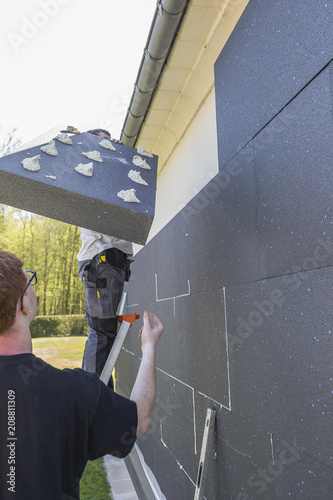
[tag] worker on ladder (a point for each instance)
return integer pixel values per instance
(104, 266)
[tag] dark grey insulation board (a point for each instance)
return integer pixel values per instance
(242, 277)
(89, 202)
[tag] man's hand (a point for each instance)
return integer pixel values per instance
(151, 331)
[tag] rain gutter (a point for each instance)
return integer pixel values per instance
(167, 19)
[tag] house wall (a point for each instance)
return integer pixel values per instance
(193, 164)
(242, 275)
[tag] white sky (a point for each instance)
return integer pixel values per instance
(70, 62)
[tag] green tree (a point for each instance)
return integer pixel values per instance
(50, 248)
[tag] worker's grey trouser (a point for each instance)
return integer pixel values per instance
(103, 278)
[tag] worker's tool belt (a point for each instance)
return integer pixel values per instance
(103, 280)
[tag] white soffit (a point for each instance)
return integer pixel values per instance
(188, 77)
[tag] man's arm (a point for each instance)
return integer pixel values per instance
(144, 389)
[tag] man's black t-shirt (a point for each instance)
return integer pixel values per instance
(51, 422)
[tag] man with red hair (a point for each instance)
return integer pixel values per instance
(52, 421)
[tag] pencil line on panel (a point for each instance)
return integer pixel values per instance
(234, 449)
(194, 425)
(126, 350)
(217, 402)
(227, 343)
(271, 438)
(176, 296)
(173, 456)
(159, 369)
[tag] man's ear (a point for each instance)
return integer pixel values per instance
(22, 305)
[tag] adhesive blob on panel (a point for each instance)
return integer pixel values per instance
(105, 143)
(139, 162)
(128, 196)
(73, 130)
(135, 176)
(31, 163)
(85, 169)
(51, 176)
(94, 155)
(50, 148)
(65, 139)
(141, 151)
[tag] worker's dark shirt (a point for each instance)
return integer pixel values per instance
(51, 422)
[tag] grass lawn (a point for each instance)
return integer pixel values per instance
(93, 485)
(67, 352)
(61, 352)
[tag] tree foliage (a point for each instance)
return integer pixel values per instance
(48, 247)
(8, 141)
